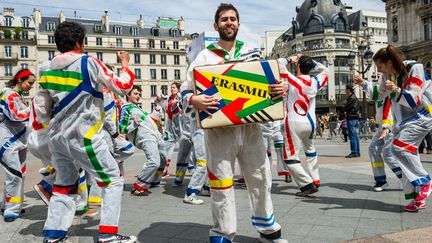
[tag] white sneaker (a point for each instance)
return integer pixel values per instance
(380, 186)
(192, 199)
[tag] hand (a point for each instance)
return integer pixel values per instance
(278, 90)
(391, 86)
(358, 80)
(124, 58)
(294, 58)
(204, 103)
(384, 133)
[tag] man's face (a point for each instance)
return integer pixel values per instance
(134, 96)
(227, 25)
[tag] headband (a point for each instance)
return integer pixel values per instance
(24, 74)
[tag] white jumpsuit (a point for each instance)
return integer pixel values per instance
(300, 123)
(13, 150)
(71, 100)
(223, 146)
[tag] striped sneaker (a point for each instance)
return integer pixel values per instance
(425, 191)
(414, 206)
(116, 238)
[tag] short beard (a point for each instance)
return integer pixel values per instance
(224, 37)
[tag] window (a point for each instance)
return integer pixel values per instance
(98, 28)
(99, 55)
(174, 32)
(153, 73)
(426, 2)
(176, 45)
(8, 69)
(177, 74)
(51, 55)
(8, 21)
(24, 52)
(119, 42)
(117, 30)
(24, 66)
(163, 59)
(164, 89)
(26, 22)
(138, 73)
(342, 43)
(428, 28)
(177, 59)
(85, 41)
(25, 35)
(162, 44)
(428, 68)
(314, 26)
(164, 74)
(134, 31)
(155, 31)
(51, 39)
(152, 59)
(98, 41)
(136, 43)
(340, 25)
(8, 51)
(137, 58)
(51, 26)
(151, 44)
(314, 44)
(153, 89)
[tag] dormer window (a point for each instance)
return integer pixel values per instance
(98, 28)
(155, 31)
(51, 26)
(134, 31)
(8, 21)
(174, 32)
(340, 25)
(26, 22)
(117, 30)
(314, 25)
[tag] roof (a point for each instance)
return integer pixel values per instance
(89, 25)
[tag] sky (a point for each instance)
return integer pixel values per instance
(256, 16)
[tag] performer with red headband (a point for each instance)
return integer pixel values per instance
(13, 141)
(300, 120)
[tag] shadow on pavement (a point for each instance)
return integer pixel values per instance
(181, 233)
(352, 187)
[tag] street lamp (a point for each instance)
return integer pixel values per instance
(365, 54)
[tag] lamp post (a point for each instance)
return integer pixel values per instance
(365, 54)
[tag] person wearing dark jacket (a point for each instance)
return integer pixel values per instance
(351, 109)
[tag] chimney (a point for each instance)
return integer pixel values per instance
(140, 22)
(8, 11)
(105, 21)
(62, 17)
(37, 16)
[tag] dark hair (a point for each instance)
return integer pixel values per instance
(225, 7)
(11, 83)
(67, 35)
(390, 53)
(137, 87)
(306, 64)
(350, 87)
(177, 84)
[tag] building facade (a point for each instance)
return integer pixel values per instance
(329, 31)
(410, 29)
(17, 44)
(157, 52)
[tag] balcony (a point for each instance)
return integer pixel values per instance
(424, 10)
(12, 58)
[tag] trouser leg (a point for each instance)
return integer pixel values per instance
(199, 176)
(375, 155)
(256, 168)
(185, 148)
(221, 153)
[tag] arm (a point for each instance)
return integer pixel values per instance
(118, 84)
(412, 90)
(322, 77)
